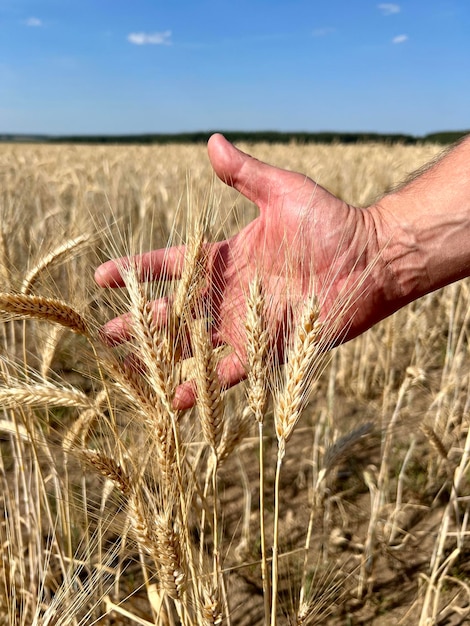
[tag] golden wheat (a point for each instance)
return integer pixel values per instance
(170, 535)
(22, 306)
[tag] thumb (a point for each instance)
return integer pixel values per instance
(256, 180)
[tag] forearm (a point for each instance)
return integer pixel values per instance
(423, 228)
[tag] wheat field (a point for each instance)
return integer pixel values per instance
(116, 508)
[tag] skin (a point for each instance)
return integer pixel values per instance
(306, 240)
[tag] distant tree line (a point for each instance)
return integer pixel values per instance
(265, 136)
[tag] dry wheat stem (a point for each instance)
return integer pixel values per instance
(299, 371)
(275, 549)
(48, 309)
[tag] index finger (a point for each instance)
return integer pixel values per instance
(163, 264)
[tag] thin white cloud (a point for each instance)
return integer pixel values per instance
(400, 39)
(389, 8)
(323, 32)
(34, 22)
(155, 39)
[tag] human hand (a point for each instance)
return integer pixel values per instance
(305, 240)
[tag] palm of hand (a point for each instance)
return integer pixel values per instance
(305, 240)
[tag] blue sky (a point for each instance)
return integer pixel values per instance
(136, 66)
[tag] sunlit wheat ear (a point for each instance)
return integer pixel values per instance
(172, 569)
(210, 402)
(212, 613)
(151, 346)
(129, 381)
(20, 306)
(257, 350)
(164, 435)
(157, 535)
(46, 394)
(300, 370)
(154, 532)
(109, 468)
(59, 254)
(435, 441)
(194, 273)
(146, 403)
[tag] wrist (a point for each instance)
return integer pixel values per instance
(404, 258)
(423, 228)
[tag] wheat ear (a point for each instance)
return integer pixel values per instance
(212, 614)
(193, 276)
(169, 557)
(56, 255)
(300, 370)
(151, 346)
(53, 310)
(155, 533)
(134, 386)
(257, 350)
(45, 394)
(109, 469)
(209, 394)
